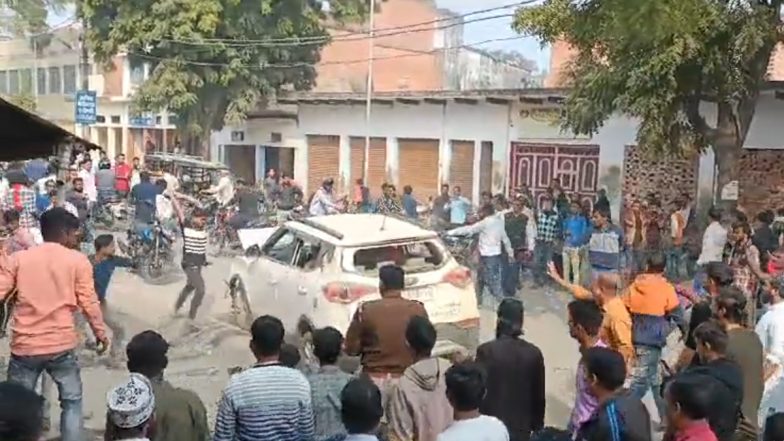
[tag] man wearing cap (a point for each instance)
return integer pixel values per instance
(130, 410)
(180, 414)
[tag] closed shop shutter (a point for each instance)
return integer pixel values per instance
(461, 169)
(323, 160)
(419, 166)
(377, 168)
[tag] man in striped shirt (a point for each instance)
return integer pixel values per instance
(194, 256)
(268, 401)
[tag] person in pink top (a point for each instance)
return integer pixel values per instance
(688, 401)
(49, 283)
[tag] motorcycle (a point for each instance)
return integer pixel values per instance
(460, 247)
(152, 253)
(222, 236)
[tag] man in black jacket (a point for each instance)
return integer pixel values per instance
(620, 416)
(727, 389)
(515, 375)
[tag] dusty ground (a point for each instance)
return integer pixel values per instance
(199, 360)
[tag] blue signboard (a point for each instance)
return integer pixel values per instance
(146, 120)
(86, 104)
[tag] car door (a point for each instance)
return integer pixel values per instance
(307, 281)
(276, 257)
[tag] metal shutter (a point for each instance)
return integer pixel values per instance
(323, 160)
(419, 166)
(461, 169)
(377, 169)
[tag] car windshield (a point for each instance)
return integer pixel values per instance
(413, 257)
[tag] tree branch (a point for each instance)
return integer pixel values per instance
(697, 120)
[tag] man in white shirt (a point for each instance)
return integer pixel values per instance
(224, 191)
(88, 178)
(770, 330)
(492, 242)
(714, 239)
(465, 389)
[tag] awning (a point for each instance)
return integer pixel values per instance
(25, 135)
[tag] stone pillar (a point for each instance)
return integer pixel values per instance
(344, 164)
(393, 160)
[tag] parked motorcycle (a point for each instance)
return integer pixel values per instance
(152, 252)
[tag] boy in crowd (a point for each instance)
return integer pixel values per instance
(104, 263)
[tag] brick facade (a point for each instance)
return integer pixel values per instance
(760, 181)
(665, 176)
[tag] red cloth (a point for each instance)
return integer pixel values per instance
(122, 173)
(16, 193)
(697, 431)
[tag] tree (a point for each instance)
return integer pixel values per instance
(29, 18)
(208, 60)
(690, 71)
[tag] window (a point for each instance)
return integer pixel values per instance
(115, 119)
(100, 119)
(13, 82)
(172, 119)
(311, 253)
(69, 79)
(55, 83)
(41, 81)
(281, 246)
(413, 257)
(3, 82)
(158, 120)
(26, 81)
(137, 72)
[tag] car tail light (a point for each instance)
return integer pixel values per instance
(460, 277)
(340, 292)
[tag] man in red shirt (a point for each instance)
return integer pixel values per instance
(122, 173)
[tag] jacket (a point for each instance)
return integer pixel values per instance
(727, 395)
(575, 228)
(418, 408)
(652, 303)
(515, 385)
(621, 418)
(180, 414)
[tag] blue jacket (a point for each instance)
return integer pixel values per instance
(102, 273)
(605, 248)
(575, 228)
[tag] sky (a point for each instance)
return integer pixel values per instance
(496, 28)
(473, 32)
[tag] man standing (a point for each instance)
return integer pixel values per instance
(492, 243)
(179, 413)
(635, 223)
(22, 199)
(122, 176)
(714, 239)
(547, 228)
(459, 208)
(585, 321)
(104, 182)
(377, 327)
(269, 401)
(515, 375)
(522, 236)
(88, 178)
(388, 203)
(410, 203)
(744, 259)
(605, 245)
(675, 258)
(194, 256)
(440, 207)
(575, 230)
(327, 382)
(52, 281)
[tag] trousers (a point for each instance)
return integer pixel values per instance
(194, 284)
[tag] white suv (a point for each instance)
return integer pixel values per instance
(316, 271)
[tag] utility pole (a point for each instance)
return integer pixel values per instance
(369, 91)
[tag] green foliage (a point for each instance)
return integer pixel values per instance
(29, 16)
(207, 64)
(655, 60)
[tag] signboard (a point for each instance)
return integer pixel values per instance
(730, 191)
(86, 106)
(142, 120)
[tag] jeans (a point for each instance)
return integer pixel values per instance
(194, 285)
(645, 375)
(511, 277)
(489, 274)
(64, 370)
(543, 254)
(675, 265)
(571, 265)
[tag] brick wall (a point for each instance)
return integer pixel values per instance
(760, 180)
(666, 177)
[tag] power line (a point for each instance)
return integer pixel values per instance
(327, 63)
(348, 37)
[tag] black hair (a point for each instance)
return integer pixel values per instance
(720, 273)
(552, 434)
(603, 212)
(443, 186)
(56, 223)
(510, 318)
(743, 226)
(144, 176)
(586, 314)
(774, 427)
(714, 213)
(10, 216)
(21, 413)
(77, 179)
(487, 210)
(267, 335)
(733, 302)
(199, 212)
(146, 353)
(465, 386)
(407, 189)
(103, 241)
(289, 355)
(327, 344)
(692, 393)
(766, 217)
(655, 263)
(86, 160)
(361, 408)
(712, 334)
(392, 277)
(421, 335)
(607, 366)
(104, 165)
(161, 183)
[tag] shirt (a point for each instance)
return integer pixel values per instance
(52, 283)
(584, 402)
(325, 387)
(122, 177)
(144, 195)
(696, 431)
(224, 192)
(194, 246)
(89, 185)
(179, 414)
(164, 208)
(521, 230)
(103, 271)
(410, 205)
(323, 203)
(458, 207)
(575, 228)
(481, 428)
(492, 236)
(547, 226)
(22, 199)
(713, 242)
(266, 402)
(770, 330)
(617, 327)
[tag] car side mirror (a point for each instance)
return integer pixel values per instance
(254, 251)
